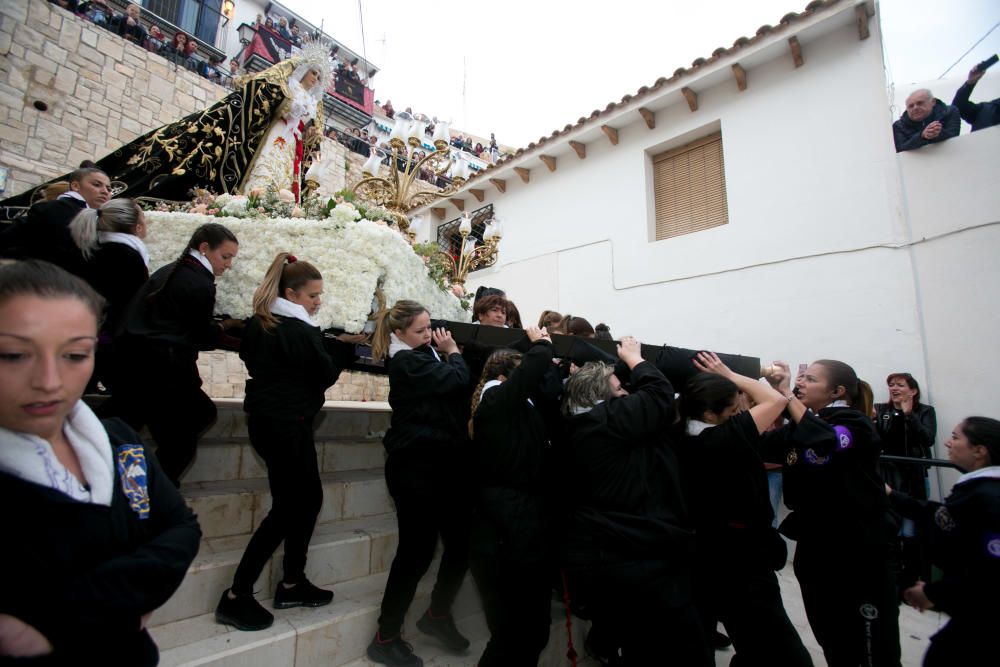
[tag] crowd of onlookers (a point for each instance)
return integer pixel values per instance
(928, 120)
(179, 49)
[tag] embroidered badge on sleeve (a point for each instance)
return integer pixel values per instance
(993, 545)
(844, 438)
(131, 462)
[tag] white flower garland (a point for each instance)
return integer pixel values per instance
(351, 255)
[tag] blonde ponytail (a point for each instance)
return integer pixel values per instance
(399, 317)
(83, 229)
(117, 215)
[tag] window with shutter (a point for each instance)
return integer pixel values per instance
(690, 188)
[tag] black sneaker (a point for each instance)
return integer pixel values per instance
(242, 612)
(443, 629)
(393, 652)
(302, 594)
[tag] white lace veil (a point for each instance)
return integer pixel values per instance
(315, 56)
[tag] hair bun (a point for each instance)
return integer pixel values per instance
(291, 259)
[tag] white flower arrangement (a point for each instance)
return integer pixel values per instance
(353, 254)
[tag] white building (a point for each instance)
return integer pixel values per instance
(825, 243)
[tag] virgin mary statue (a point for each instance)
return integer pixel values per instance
(252, 138)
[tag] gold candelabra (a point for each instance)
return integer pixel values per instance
(471, 255)
(393, 193)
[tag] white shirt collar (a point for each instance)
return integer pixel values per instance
(131, 240)
(73, 194)
(838, 404)
(695, 426)
(397, 345)
(204, 261)
(988, 471)
(286, 308)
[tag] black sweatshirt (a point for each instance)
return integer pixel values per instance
(44, 234)
(621, 478)
(289, 369)
(908, 133)
(978, 114)
(429, 400)
(82, 574)
(117, 272)
(964, 538)
(831, 483)
(180, 314)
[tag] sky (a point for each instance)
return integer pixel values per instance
(522, 68)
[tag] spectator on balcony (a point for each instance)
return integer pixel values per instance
(96, 11)
(68, 5)
(156, 39)
(479, 148)
(234, 68)
(927, 120)
(296, 40)
(175, 50)
(283, 29)
(269, 24)
(130, 27)
(977, 114)
(210, 69)
(388, 110)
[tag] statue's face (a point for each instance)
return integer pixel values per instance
(310, 79)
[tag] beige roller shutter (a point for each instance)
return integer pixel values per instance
(690, 188)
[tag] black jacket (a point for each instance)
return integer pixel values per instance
(289, 369)
(907, 133)
(830, 479)
(117, 273)
(83, 574)
(44, 234)
(180, 314)
(728, 496)
(510, 444)
(964, 541)
(429, 401)
(622, 481)
(905, 435)
(978, 114)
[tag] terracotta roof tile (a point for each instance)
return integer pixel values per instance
(740, 43)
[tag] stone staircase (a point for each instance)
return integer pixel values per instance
(351, 551)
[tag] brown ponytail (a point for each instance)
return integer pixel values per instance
(501, 362)
(857, 392)
(285, 272)
(400, 316)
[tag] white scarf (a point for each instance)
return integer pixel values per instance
(838, 404)
(695, 427)
(32, 459)
(287, 308)
(489, 385)
(580, 410)
(204, 261)
(396, 345)
(131, 240)
(988, 471)
(73, 194)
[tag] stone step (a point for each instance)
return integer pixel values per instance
(340, 551)
(227, 508)
(338, 634)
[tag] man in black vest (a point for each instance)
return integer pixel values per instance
(43, 233)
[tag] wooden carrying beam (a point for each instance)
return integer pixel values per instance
(691, 97)
(648, 116)
(581, 149)
(611, 133)
(439, 212)
(499, 184)
(861, 14)
(549, 161)
(741, 76)
(525, 174)
(459, 203)
(793, 44)
(478, 194)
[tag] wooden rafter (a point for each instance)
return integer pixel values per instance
(581, 149)
(549, 161)
(861, 14)
(459, 203)
(611, 133)
(478, 194)
(691, 97)
(499, 184)
(648, 116)
(793, 44)
(525, 174)
(741, 76)
(439, 212)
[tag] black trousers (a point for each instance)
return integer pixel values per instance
(158, 386)
(962, 643)
(430, 502)
(747, 600)
(645, 609)
(517, 601)
(289, 452)
(849, 594)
